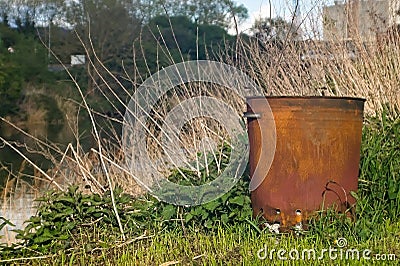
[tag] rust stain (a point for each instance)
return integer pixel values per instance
(318, 141)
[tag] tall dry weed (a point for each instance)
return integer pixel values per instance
(288, 67)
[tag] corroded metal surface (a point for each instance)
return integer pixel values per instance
(317, 156)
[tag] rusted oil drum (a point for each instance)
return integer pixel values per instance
(316, 161)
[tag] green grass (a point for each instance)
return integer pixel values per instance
(237, 245)
(159, 233)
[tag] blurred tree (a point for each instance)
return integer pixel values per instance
(31, 12)
(170, 40)
(274, 29)
(218, 13)
(107, 29)
(24, 63)
(76, 12)
(213, 12)
(10, 85)
(19, 13)
(28, 55)
(5, 10)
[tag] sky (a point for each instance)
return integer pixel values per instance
(282, 8)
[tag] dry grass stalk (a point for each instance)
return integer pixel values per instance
(292, 67)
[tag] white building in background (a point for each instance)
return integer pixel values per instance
(365, 19)
(78, 59)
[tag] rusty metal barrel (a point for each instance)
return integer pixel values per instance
(317, 155)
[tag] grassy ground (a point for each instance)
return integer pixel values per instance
(237, 245)
(155, 236)
(242, 245)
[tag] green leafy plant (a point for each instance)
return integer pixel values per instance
(63, 215)
(68, 220)
(233, 207)
(4, 222)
